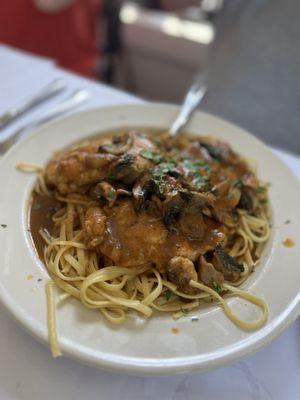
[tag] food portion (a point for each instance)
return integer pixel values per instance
(147, 221)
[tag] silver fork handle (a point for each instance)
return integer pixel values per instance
(191, 101)
(48, 91)
(74, 100)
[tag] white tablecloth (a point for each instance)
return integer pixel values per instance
(27, 370)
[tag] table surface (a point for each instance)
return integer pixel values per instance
(27, 370)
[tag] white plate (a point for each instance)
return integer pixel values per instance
(148, 347)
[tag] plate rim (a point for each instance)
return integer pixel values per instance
(177, 364)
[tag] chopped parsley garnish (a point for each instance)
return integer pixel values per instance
(260, 189)
(216, 286)
(158, 179)
(202, 163)
(111, 194)
(159, 173)
(149, 155)
(3, 225)
(191, 166)
(111, 177)
(194, 168)
(164, 168)
(237, 183)
(201, 182)
(168, 294)
(36, 206)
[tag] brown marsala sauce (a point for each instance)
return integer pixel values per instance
(41, 209)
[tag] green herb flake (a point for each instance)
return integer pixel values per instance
(201, 183)
(216, 286)
(237, 183)
(194, 169)
(111, 194)
(191, 166)
(149, 155)
(3, 225)
(159, 173)
(207, 168)
(168, 294)
(260, 189)
(160, 187)
(110, 177)
(202, 163)
(165, 167)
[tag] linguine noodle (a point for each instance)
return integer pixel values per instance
(117, 291)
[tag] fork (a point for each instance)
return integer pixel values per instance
(74, 100)
(44, 94)
(193, 98)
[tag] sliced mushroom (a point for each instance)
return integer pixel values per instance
(104, 190)
(229, 266)
(173, 208)
(250, 180)
(142, 190)
(221, 189)
(227, 198)
(192, 225)
(157, 203)
(219, 151)
(181, 271)
(184, 206)
(123, 169)
(246, 201)
(123, 192)
(208, 274)
(120, 145)
(129, 167)
(200, 200)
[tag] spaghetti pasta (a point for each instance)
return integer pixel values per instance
(86, 271)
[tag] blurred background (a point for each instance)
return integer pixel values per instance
(248, 49)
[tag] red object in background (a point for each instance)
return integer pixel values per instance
(68, 36)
